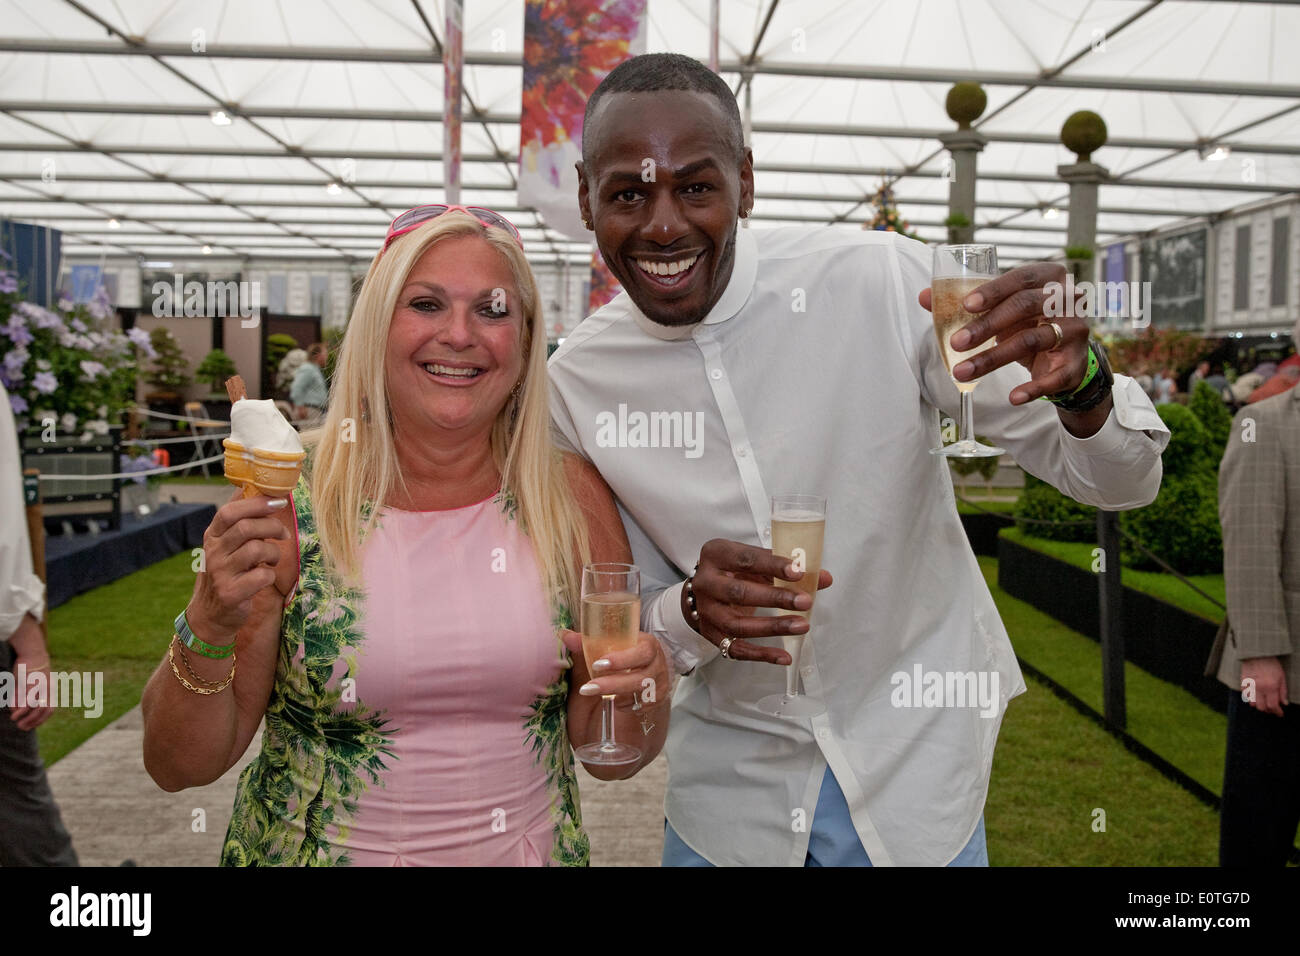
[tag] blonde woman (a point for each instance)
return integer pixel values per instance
(401, 621)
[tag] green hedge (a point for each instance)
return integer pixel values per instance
(1209, 409)
(1182, 525)
(1041, 502)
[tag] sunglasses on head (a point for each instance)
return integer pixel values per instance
(421, 214)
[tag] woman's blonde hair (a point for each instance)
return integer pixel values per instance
(355, 458)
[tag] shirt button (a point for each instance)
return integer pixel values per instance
(716, 374)
(767, 534)
(742, 451)
(823, 734)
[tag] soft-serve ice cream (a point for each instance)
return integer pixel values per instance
(259, 426)
(263, 452)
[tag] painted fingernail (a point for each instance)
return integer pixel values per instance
(589, 689)
(275, 504)
(963, 369)
(959, 339)
(601, 664)
(974, 302)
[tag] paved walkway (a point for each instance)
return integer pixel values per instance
(115, 811)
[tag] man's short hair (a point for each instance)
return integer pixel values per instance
(316, 349)
(653, 72)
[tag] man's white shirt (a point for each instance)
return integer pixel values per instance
(818, 372)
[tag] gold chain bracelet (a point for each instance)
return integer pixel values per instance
(214, 688)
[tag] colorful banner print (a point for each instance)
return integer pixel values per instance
(603, 284)
(453, 61)
(569, 47)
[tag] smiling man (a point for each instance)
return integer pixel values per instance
(810, 358)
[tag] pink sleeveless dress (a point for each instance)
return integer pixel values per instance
(459, 642)
(420, 719)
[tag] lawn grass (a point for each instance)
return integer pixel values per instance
(982, 505)
(1166, 718)
(1054, 769)
(120, 629)
(1158, 584)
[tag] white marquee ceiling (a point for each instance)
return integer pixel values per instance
(105, 113)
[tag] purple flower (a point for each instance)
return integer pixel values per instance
(91, 369)
(8, 282)
(45, 382)
(16, 330)
(77, 324)
(41, 318)
(17, 404)
(100, 306)
(15, 360)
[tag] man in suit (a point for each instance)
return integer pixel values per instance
(1258, 651)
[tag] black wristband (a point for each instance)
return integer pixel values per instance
(1097, 390)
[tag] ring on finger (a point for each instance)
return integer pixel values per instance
(725, 646)
(1060, 336)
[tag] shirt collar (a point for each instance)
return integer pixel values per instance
(744, 270)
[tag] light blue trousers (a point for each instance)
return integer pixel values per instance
(833, 841)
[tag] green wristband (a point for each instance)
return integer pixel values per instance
(1088, 376)
(216, 652)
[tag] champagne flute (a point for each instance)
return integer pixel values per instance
(611, 619)
(798, 530)
(958, 271)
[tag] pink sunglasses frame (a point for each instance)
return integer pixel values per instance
(488, 217)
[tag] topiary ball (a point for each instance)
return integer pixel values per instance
(1084, 132)
(965, 103)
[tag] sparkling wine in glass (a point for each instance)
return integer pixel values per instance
(798, 531)
(958, 271)
(611, 619)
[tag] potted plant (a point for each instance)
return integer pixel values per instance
(215, 368)
(170, 371)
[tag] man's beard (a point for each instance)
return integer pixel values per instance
(727, 265)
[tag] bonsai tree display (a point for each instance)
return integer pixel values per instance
(170, 371)
(215, 368)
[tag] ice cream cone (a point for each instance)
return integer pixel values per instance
(272, 473)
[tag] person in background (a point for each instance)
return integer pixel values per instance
(1257, 651)
(1198, 374)
(31, 829)
(308, 391)
(1284, 377)
(1163, 387)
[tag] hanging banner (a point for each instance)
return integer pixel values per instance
(569, 47)
(452, 60)
(603, 284)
